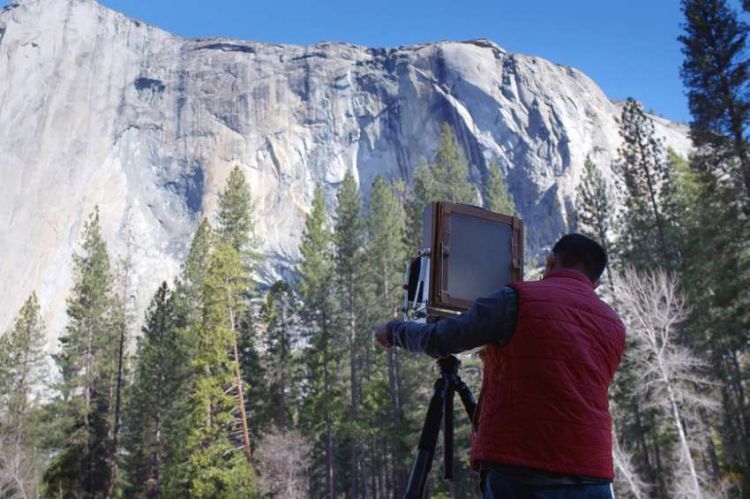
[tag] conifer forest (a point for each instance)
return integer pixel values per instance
(232, 388)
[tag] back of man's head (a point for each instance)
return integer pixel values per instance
(575, 251)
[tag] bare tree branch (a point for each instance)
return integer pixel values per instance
(673, 379)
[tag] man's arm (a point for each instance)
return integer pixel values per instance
(491, 319)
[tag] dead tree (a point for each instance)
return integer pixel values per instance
(672, 378)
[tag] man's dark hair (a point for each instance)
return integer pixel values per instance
(583, 253)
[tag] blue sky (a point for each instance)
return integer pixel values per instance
(628, 47)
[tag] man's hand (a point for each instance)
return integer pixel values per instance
(381, 335)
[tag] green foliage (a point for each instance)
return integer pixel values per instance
(151, 402)
(88, 364)
(189, 288)
(716, 286)
(217, 382)
(321, 403)
(235, 216)
(495, 194)
(21, 374)
(316, 264)
(595, 207)
(714, 198)
(258, 406)
(21, 366)
(445, 179)
(190, 283)
(387, 249)
(647, 233)
(450, 171)
(349, 255)
(716, 72)
(214, 467)
(187, 301)
(649, 238)
(280, 318)
(354, 296)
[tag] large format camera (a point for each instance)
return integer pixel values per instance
(467, 252)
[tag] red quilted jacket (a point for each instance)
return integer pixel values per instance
(544, 395)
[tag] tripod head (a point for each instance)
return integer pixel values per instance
(448, 364)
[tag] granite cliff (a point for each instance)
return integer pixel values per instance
(100, 109)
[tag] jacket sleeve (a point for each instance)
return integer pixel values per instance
(491, 319)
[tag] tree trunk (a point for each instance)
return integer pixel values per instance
(88, 388)
(118, 402)
(354, 407)
(660, 475)
(626, 471)
(240, 395)
(680, 429)
(643, 444)
(329, 422)
(736, 377)
(394, 381)
(713, 458)
(154, 491)
(655, 207)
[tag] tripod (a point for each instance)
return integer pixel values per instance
(440, 409)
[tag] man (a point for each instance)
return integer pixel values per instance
(543, 428)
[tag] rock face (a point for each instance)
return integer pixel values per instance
(100, 109)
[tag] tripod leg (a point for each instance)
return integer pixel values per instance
(448, 434)
(470, 405)
(416, 487)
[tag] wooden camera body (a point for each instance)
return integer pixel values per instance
(468, 252)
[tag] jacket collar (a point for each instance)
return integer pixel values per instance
(570, 273)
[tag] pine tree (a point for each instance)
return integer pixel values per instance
(21, 366)
(119, 323)
(386, 259)
(236, 228)
(387, 251)
(595, 207)
(279, 315)
(21, 372)
(318, 313)
(225, 285)
(349, 251)
(627, 480)
(188, 301)
(88, 363)
(496, 195)
(445, 179)
(716, 73)
(215, 432)
(647, 237)
(450, 170)
(152, 398)
(235, 216)
(715, 288)
(421, 195)
(189, 288)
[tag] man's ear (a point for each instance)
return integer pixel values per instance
(597, 283)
